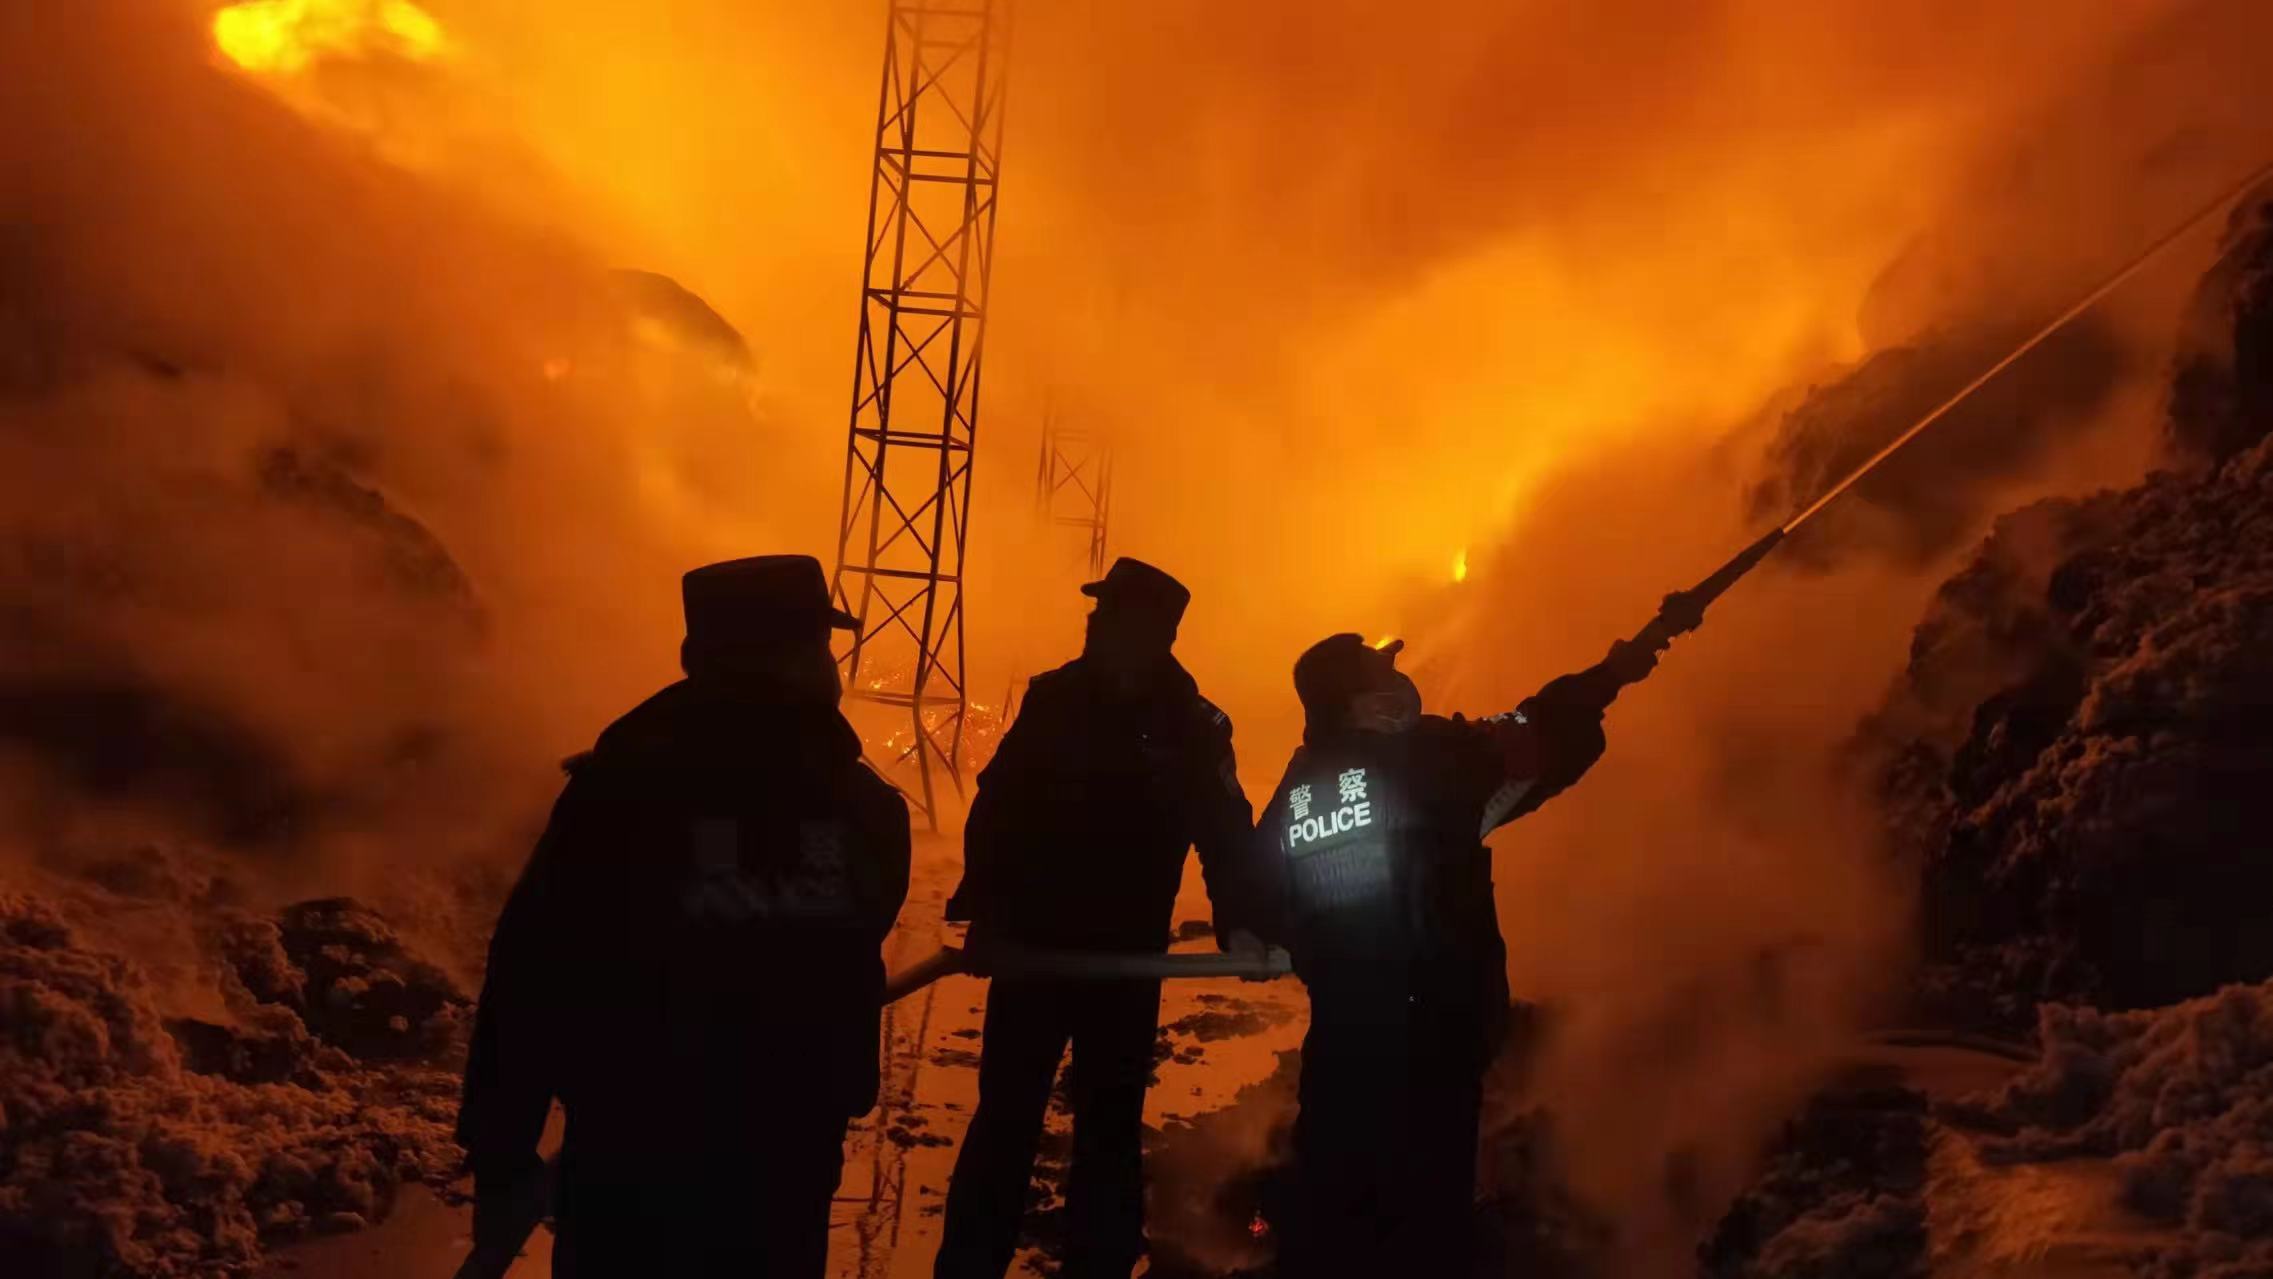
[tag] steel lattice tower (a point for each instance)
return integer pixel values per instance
(915, 396)
(1073, 487)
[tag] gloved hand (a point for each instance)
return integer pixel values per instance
(1242, 944)
(1680, 613)
(1631, 662)
(1239, 941)
(979, 949)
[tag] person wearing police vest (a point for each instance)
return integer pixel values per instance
(1113, 770)
(1370, 868)
(691, 961)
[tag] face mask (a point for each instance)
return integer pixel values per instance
(1394, 709)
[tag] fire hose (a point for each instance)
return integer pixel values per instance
(533, 1198)
(1078, 965)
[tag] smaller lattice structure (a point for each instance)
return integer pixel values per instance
(1073, 487)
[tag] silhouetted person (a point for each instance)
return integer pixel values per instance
(1371, 870)
(1114, 768)
(690, 962)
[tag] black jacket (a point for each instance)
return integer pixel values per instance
(694, 944)
(1434, 792)
(1078, 833)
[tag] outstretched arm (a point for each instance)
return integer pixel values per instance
(1555, 735)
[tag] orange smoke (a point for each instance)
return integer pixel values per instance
(1350, 284)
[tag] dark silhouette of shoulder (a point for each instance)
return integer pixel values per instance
(1052, 687)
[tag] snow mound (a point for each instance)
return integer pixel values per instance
(1840, 1198)
(135, 1145)
(2181, 1098)
(2079, 756)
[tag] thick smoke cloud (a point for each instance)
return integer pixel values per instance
(343, 489)
(1720, 829)
(338, 503)
(2073, 755)
(2102, 168)
(1921, 501)
(2221, 399)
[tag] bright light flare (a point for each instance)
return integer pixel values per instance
(284, 36)
(1460, 566)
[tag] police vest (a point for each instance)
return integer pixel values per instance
(1346, 828)
(1381, 863)
(745, 870)
(766, 913)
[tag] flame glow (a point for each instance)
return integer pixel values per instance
(1460, 566)
(287, 35)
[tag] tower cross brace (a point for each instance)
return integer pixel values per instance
(913, 434)
(1073, 487)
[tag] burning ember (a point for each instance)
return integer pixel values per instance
(982, 732)
(284, 36)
